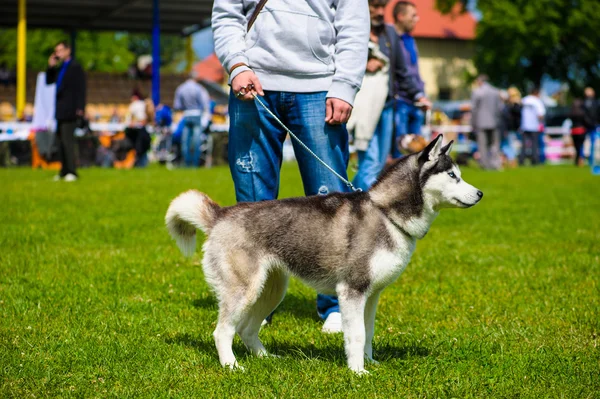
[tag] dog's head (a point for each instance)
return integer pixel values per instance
(442, 185)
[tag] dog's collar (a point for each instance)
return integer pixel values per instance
(396, 225)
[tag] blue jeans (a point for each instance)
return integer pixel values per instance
(542, 147)
(409, 120)
(256, 144)
(508, 145)
(191, 140)
(372, 161)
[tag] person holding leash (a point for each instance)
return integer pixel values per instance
(306, 61)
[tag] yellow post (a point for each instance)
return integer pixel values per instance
(189, 54)
(21, 58)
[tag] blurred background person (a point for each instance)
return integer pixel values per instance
(581, 121)
(486, 105)
(532, 119)
(592, 109)
(511, 121)
(372, 161)
(139, 114)
(408, 116)
(193, 99)
(70, 105)
(371, 98)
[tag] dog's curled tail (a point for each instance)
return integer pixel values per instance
(190, 211)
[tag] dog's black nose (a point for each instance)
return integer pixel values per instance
(480, 194)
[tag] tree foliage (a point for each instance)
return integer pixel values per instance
(96, 51)
(521, 41)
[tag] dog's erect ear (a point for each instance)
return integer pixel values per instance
(446, 149)
(432, 151)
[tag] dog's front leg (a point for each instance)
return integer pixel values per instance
(370, 310)
(352, 308)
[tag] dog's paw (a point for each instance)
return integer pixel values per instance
(234, 366)
(370, 360)
(264, 354)
(361, 372)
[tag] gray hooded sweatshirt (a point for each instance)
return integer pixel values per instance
(298, 46)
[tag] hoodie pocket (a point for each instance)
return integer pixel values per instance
(285, 40)
(320, 38)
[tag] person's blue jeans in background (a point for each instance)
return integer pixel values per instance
(142, 160)
(256, 145)
(191, 140)
(542, 147)
(372, 161)
(408, 119)
(594, 135)
(508, 145)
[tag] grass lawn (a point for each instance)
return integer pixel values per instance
(499, 301)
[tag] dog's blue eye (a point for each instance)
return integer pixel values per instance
(452, 175)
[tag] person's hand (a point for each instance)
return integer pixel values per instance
(424, 103)
(52, 61)
(337, 111)
(245, 84)
(374, 65)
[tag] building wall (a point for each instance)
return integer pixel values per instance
(445, 65)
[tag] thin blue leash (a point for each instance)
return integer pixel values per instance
(347, 182)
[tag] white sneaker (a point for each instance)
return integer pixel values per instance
(57, 178)
(333, 323)
(70, 177)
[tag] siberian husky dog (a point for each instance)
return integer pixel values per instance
(352, 245)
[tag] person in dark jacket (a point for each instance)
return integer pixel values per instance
(70, 104)
(510, 124)
(592, 109)
(581, 121)
(372, 161)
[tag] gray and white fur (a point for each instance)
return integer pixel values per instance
(352, 245)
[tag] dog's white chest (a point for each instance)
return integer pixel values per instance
(387, 264)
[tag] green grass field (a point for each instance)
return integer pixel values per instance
(499, 301)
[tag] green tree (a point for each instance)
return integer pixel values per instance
(521, 41)
(97, 51)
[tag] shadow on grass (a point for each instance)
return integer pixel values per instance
(387, 352)
(334, 352)
(327, 351)
(298, 306)
(208, 302)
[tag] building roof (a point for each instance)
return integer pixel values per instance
(136, 16)
(434, 25)
(210, 69)
(108, 15)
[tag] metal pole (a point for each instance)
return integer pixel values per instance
(21, 58)
(155, 52)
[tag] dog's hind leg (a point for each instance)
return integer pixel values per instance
(352, 307)
(272, 293)
(238, 282)
(370, 310)
(229, 315)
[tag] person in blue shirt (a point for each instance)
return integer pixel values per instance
(408, 117)
(193, 99)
